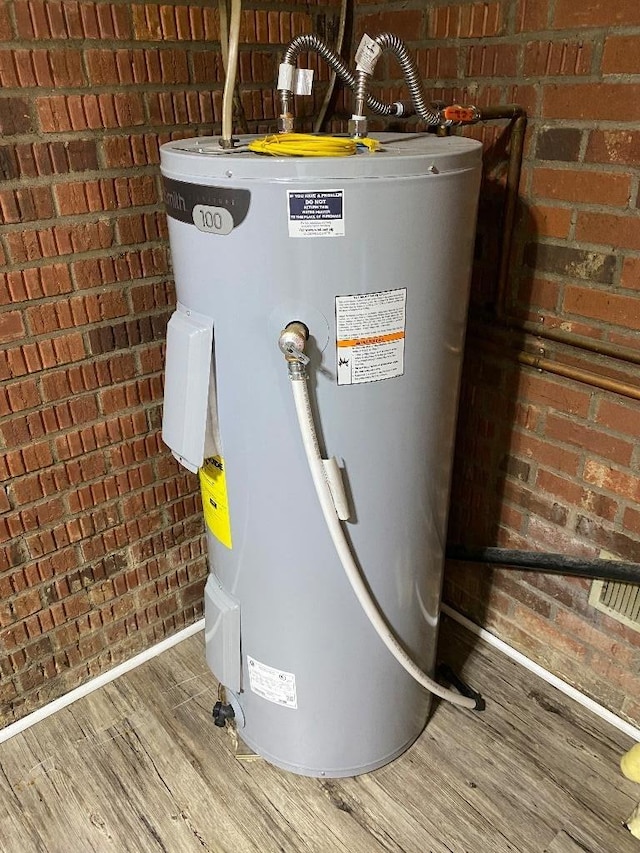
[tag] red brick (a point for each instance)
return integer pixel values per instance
(544, 453)
(25, 605)
(546, 221)
(9, 75)
(15, 116)
(23, 19)
(598, 101)
(631, 520)
(55, 157)
(66, 68)
(494, 60)
(623, 418)
(11, 326)
(211, 21)
(614, 146)
(574, 493)
(609, 230)
(467, 21)
(173, 67)
(618, 309)
(5, 24)
(262, 26)
(101, 66)
(556, 58)
(8, 207)
(539, 294)
(556, 639)
(621, 55)
(596, 638)
(53, 113)
(21, 395)
(606, 477)
(560, 395)
(584, 435)
(630, 273)
(407, 24)
(196, 23)
(532, 15)
(142, 30)
(533, 503)
(583, 186)
(597, 13)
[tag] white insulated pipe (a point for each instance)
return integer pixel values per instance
(377, 620)
(231, 69)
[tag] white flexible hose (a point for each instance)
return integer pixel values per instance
(314, 459)
(231, 69)
(224, 33)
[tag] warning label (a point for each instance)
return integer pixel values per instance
(213, 488)
(274, 685)
(370, 330)
(316, 214)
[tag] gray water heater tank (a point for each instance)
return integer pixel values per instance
(373, 253)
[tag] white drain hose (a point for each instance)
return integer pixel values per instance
(316, 466)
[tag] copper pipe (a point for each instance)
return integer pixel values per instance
(518, 131)
(508, 111)
(539, 362)
(589, 344)
(580, 375)
(518, 117)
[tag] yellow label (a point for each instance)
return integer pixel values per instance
(213, 487)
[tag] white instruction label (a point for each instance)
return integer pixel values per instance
(296, 80)
(285, 76)
(370, 331)
(274, 685)
(316, 214)
(367, 54)
(303, 81)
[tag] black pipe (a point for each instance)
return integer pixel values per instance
(557, 564)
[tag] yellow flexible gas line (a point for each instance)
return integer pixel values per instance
(309, 145)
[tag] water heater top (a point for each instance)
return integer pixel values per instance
(401, 154)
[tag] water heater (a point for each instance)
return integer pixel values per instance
(372, 253)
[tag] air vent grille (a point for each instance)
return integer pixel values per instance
(619, 600)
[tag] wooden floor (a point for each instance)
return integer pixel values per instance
(138, 766)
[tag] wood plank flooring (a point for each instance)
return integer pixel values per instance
(139, 766)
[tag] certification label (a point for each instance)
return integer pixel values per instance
(316, 214)
(370, 331)
(213, 488)
(274, 685)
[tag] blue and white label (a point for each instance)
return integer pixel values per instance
(316, 214)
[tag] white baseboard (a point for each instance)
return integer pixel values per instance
(549, 677)
(106, 677)
(99, 681)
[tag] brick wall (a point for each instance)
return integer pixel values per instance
(543, 462)
(101, 534)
